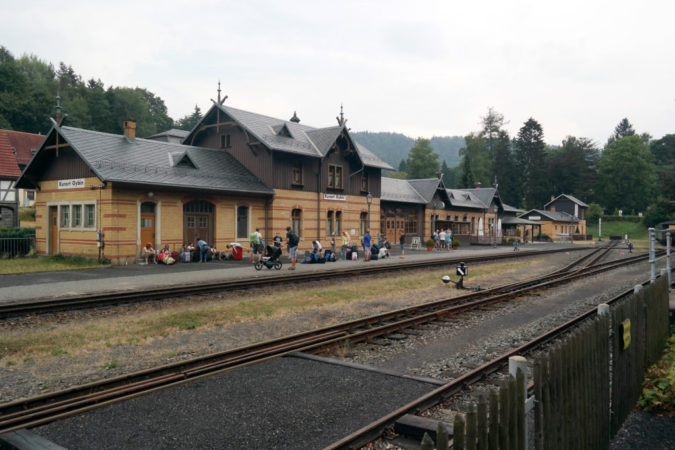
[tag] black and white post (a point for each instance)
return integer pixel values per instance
(652, 253)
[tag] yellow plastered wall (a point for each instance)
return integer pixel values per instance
(71, 241)
(285, 201)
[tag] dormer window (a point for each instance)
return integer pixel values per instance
(224, 141)
(335, 176)
(364, 183)
(297, 176)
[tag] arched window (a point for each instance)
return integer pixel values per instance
(242, 222)
(296, 221)
(363, 223)
(338, 222)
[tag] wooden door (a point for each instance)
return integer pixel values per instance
(54, 230)
(198, 226)
(148, 229)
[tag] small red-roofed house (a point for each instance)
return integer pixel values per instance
(16, 150)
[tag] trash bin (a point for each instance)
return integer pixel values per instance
(237, 253)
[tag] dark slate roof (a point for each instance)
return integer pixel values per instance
(172, 135)
(509, 208)
(485, 195)
(426, 187)
(571, 197)
(556, 216)
(116, 158)
(517, 221)
(304, 140)
(395, 190)
(465, 199)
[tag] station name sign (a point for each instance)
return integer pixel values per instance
(342, 198)
(534, 217)
(72, 183)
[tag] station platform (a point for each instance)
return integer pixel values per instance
(51, 285)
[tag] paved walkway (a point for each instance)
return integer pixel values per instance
(14, 288)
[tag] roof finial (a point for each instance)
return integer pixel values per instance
(220, 100)
(295, 118)
(341, 120)
(58, 108)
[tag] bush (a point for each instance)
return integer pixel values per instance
(594, 212)
(658, 389)
(429, 242)
(545, 237)
(455, 243)
(27, 214)
(16, 232)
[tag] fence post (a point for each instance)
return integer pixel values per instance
(493, 434)
(652, 254)
(668, 245)
(458, 433)
(517, 363)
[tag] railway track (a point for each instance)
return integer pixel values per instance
(39, 410)
(79, 302)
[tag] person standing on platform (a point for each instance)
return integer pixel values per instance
(345, 244)
(366, 244)
(402, 241)
(255, 240)
(277, 240)
(292, 239)
(203, 250)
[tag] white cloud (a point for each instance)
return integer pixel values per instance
(423, 68)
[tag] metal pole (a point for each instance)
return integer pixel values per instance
(599, 228)
(652, 251)
(668, 247)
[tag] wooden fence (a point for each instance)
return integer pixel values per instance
(585, 385)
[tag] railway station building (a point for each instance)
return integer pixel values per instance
(106, 195)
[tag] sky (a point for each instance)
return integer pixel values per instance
(422, 68)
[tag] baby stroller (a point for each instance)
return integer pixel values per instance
(270, 259)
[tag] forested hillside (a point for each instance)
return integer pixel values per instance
(394, 147)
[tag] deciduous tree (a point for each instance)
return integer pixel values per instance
(422, 160)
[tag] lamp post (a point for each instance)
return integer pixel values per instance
(369, 200)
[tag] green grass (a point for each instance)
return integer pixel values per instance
(635, 231)
(28, 264)
(658, 388)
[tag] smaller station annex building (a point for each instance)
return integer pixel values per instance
(106, 195)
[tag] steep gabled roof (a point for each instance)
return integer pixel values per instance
(395, 190)
(292, 137)
(9, 167)
(570, 197)
(426, 187)
(464, 199)
(556, 216)
(116, 158)
(20, 146)
(485, 195)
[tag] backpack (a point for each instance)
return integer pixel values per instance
(253, 238)
(293, 239)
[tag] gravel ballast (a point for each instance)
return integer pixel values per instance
(287, 403)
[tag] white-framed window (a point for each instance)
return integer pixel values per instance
(77, 216)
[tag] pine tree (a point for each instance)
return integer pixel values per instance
(422, 160)
(531, 162)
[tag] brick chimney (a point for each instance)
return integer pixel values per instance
(129, 126)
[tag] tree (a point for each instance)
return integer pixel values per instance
(626, 175)
(401, 166)
(531, 162)
(572, 168)
(664, 157)
(492, 126)
(479, 162)
(467, 179)
(622, 130)
(188, 122)
(422, 160)
(505, 173)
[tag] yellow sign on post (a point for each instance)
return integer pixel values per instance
(625, 333)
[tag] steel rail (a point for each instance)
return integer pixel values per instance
(375, 429)
(45, 408)
(67, 303)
